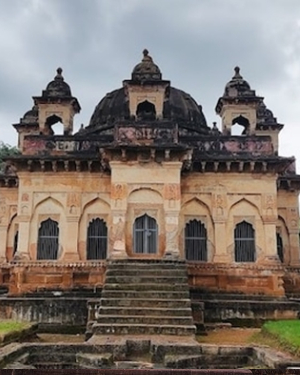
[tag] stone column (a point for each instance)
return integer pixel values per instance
(172, 199)
(220, 217)
(118, 240)
(3, 242)
(221, 255)
(23, 240)
(270, 253)
(70, 239)
(293, 222)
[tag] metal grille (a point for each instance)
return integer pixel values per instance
(279, 247)
(47, 248)
(96, 240)
(145, 235)
(16, 238)
(244, 239)
(195, 241)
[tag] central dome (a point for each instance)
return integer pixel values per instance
(177, 106)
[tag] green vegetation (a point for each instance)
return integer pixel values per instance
(285, 332)
(8, 326)
(6, 150)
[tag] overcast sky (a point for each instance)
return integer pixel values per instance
(196, 44)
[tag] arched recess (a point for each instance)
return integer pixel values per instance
(48, 209)
(58, 122)
(93, 210)
(48, 240)
(245, 211)
(282, 235)
(146, 111)
(12, 238)
(196, 210)
(244, 242)
(145, 201)
(96, 247)
(240, 126)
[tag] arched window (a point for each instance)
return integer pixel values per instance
(47, 248)
(244, 242)
(146, 111)
(195, 241)
(279, 247)
(240, 126)
(145, 236)
(96, 244)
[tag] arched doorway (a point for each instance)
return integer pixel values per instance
(195, 241)
(145, 235)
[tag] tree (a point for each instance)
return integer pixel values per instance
(6, 150)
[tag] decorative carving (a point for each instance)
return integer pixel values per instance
(172, 191)
(73, 200)
(118, 193)
(25, 197)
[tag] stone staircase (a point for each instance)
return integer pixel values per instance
(145, 297)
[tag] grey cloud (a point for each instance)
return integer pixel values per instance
(98, 42)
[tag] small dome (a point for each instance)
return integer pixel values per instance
(31, 116)
(237, 86)
(146, 70)
(58, 88)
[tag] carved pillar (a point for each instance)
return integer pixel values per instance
(23, 242)
(293, 222)
(3, 242)
(70, 243)
(118, 240)
(172, 205)
(219, 218)
(221, 255)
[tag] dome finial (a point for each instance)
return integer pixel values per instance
(237, 72)
(59, 73)
(145, 52)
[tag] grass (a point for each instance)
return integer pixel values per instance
(7, 326)
(285, 332)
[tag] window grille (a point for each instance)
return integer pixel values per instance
(195, 241)
(96, 240)
(244, 239)
(279, 247)
(145, 233)
(47, 248)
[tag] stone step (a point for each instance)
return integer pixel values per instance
(146, 266)
(146, 302)
(145, 294)
(148, 286)
(147, 272)
(143, 329)
(142, 319)
(145, 279)
(205, 361)
(144, 311)
(94, 361)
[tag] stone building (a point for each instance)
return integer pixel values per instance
(148, 178)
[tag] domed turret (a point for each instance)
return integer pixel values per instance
(238, 86)
(58, 88)
(146, 70)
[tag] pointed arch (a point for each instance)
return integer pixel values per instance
(195, 241)
(197, 201)
(244, 242)
(94, 230)
(96, 245)
(246, 201)
(48, 240)
(145, 194)
(50, 202)
(145, 235)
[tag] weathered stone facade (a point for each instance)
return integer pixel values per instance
(148, 154)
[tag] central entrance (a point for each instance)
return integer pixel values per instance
(145, 236)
